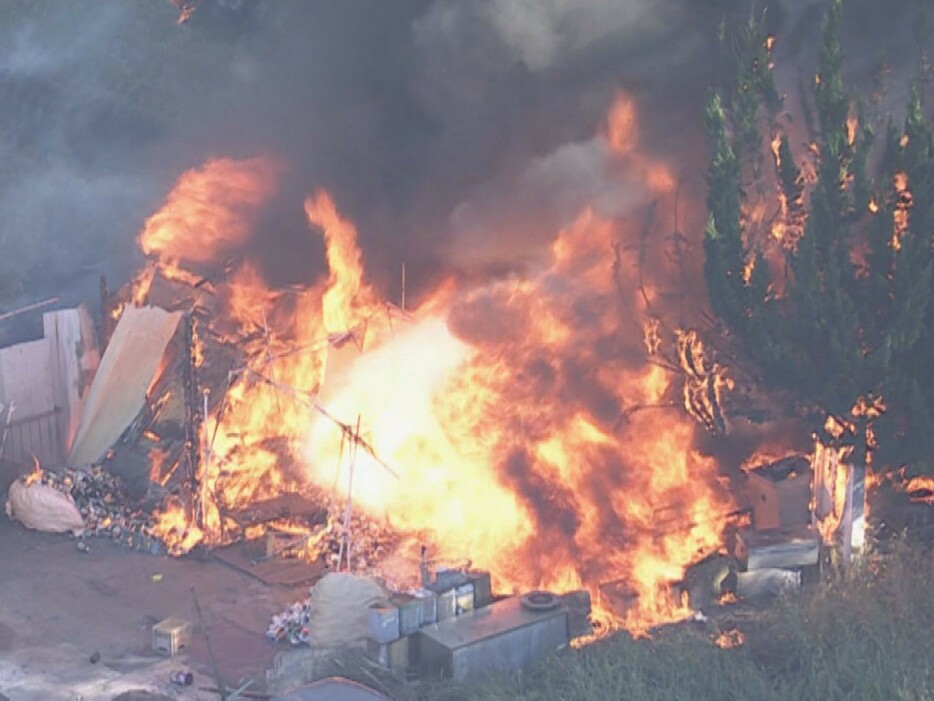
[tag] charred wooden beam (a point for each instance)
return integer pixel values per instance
(292, 507)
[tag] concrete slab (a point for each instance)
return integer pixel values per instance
(58, 606)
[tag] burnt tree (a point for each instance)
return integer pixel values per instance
(847, 325)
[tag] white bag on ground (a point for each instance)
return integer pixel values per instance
(43, 508)
(339, 609)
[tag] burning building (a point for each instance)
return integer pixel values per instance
(517, 424)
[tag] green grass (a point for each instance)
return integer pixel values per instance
(868, 634)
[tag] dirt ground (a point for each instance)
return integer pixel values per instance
(58, 606)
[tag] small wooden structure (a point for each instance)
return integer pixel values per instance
(43, 386)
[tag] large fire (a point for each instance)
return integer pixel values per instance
(517, 424)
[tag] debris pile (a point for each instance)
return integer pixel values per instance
(103, 503)
(370, 539)
(335, 612)
(41, 507)
(291, 624)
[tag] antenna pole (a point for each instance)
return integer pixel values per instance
(403, 286)
(269, 359)
(345, 545)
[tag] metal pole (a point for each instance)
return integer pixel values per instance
(6, 428)
(348, 510)
(30, 308)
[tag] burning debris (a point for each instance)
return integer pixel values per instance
(521, 391)
(334, 613)
(367, 540)
(431, 396)
(292, 624)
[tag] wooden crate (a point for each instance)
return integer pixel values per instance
(171, 636)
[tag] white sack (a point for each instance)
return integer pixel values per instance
(43, 508)
(338, 610)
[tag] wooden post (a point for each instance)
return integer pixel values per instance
(269, 361)
(106, 320)
(206, 462)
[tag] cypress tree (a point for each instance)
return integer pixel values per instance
(855, 325)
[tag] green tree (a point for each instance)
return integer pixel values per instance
(853, 331)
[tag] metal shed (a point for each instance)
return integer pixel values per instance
(505, 636)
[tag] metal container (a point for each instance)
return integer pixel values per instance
(463, 599)
(383, 623)
(578, 607)
(502, 637)
(449, 579)
(409, 612)
(183, 678)
(394, 656)
(482, 588)
(447, 605)
(427, 607)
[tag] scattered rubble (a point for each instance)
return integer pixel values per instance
(334, 613)
(291, 624)
(370, 539)
(105, 507)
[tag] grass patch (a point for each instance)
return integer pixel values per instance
(866, 634)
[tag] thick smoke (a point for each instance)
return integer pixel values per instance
(459, 135)
(444, 128)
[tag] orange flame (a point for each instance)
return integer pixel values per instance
(622, 130)
(451, 418)
(347, 302)
(728, 639)
(901, 212)
(492, 424)
(35, 474)
(921, 489)
(207, 214)
(852, 124)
